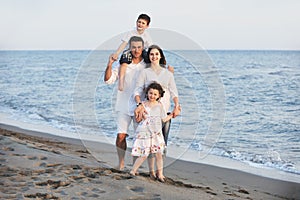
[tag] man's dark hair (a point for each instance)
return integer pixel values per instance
(135, 39)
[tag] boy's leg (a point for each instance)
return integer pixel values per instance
(122, 72)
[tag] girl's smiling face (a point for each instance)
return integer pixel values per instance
(153, 95)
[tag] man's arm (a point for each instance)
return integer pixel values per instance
(108, 71)
(119, 50)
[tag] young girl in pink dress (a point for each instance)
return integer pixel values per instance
(149, 138)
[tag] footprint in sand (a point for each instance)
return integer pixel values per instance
(136, 188)
(141, 194)
(97, 190)
(8, 149)
(32, 157)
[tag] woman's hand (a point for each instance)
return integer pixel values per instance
(176, 111)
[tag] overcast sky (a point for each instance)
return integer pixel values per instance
(213, 24)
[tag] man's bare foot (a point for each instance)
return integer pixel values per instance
(120, 167)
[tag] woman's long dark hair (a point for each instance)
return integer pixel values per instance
(162, 60)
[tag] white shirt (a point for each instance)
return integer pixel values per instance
(145, 35)
(125, 102)
(165, 78)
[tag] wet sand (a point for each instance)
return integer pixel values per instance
(37, 165)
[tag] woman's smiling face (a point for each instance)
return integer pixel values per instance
(154, 56)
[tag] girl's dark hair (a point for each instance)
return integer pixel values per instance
(155, 86)
(162, 60)
(144, 17)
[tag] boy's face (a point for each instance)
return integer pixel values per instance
(136, 49)
(141, 24)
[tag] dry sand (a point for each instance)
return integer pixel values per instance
(41, 166)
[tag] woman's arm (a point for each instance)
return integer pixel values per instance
(174, 94)
(169, 116)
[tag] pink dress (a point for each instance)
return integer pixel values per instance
(149, 137)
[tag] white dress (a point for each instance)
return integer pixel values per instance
(149, 137)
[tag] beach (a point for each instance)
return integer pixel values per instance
(36, 165)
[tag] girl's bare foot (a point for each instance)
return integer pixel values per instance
(132, 173)
(153, 175)
(161, 179)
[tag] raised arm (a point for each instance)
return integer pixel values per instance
(108, 71)
(119, 50)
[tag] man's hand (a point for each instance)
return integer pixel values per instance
(114, 56)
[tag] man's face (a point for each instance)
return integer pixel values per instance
(136, 49)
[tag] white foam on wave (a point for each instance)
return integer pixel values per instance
(224, 162)
(174, 151)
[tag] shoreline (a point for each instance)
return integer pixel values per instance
(175, 152)
(55, 152)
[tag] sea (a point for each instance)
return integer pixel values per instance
(242, 106)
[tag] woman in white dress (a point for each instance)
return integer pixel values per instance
(156, 71)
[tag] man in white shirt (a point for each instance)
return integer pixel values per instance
(125, 103)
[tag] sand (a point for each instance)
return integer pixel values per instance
(37, 165)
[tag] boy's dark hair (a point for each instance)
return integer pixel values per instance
(155, 86)
(145, 17)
